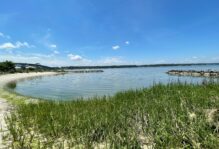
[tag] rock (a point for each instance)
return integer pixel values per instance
(194, 73)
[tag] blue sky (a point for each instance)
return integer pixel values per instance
(100, 32)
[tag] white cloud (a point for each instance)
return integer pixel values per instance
(127, 43)
(4, 36)
(24, 44)
(116, 47)
(53, 46)
(1, 34)
(7, 45)
(195, 57)
(35, 58)
(75, 57)
(112, 60)
(17, 45)
(56, 52)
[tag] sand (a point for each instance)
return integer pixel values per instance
(4, 105)
(12, 77)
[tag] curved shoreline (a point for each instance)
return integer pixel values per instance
(4, 79)
(5, 107)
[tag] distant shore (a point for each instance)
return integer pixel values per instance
(112, 66)
(136, 66)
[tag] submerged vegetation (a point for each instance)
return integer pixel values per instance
(168, 116)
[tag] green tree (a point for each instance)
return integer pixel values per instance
(7, 66)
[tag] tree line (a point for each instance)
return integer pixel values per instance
(10, 67)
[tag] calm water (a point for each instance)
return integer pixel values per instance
(72, 85)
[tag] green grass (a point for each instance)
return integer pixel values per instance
(164, 116)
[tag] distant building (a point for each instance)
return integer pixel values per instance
(24, 66)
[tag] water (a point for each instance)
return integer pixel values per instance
(75, 85)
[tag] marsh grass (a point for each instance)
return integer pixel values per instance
(163, 116)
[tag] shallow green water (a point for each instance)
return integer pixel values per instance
(74, 85)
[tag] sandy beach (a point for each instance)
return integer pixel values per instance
(4, 105)
(17, 76)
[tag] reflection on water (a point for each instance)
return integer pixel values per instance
(71, 85)
(12, 85)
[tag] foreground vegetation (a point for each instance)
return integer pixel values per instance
(164, 116)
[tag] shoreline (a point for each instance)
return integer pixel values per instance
(6, 78)
(5, 106)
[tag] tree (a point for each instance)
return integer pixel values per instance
(7, 66)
